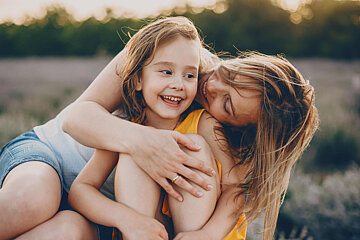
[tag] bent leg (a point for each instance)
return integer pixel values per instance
(134, 188)
(193, 213)
(30, 195)
(67, 225)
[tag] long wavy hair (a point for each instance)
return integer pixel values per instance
(140, 49)
(287, 121)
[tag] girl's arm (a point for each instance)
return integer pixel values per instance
(85, 197)
(222, 221)
(157, 152)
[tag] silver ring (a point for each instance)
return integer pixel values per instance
(175, 178)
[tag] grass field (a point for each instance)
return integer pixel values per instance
(34, 90)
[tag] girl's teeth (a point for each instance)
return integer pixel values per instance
(173, 98)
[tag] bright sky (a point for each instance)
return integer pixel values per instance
(17, 10)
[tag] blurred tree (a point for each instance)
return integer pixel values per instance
(322, 28)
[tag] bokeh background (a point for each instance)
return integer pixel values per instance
(51, 50)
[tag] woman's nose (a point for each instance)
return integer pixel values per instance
(215, 85)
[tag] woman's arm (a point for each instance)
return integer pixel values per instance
(157, 152)
(85, 197)
(222, 221)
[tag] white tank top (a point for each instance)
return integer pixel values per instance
(71, 155)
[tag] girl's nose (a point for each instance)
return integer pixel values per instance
(177, 83)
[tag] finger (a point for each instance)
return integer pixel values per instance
(170, 190)
(178, 236)
(185, 141)
(182, 183)
(194, 177)
(199, 165)
(164, 234)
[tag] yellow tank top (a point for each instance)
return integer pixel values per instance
(190, 125)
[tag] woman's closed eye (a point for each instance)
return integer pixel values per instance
(226, 103)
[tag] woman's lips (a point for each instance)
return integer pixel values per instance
(204, 88)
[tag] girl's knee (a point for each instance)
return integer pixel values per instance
(205, 152)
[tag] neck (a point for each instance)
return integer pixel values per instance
(161, 123)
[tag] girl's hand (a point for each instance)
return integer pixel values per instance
(194, 235)
(158, 153)
(145, 228)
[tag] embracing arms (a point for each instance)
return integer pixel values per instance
(157, 152)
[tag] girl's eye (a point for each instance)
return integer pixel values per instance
(167, 72)
(189, 75)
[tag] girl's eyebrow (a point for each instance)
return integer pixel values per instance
(172, 64)
(164, 63)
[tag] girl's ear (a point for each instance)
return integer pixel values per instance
(138, 86)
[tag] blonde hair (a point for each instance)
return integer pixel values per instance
(287, 121)
(141, 48)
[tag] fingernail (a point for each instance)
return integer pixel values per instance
(213, 172)
(210, 187)
(199, 194)
(197, 146)
(180, 199)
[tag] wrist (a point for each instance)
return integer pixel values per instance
(127, 141)
(122, 218)
(135, 135)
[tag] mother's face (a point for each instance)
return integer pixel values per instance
(229, 105)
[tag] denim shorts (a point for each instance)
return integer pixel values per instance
(25, 148)
(28, 147)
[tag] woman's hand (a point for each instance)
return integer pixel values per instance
(145, 228)
(158, 153)
(194, 235)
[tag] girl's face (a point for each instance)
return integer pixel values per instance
(229, 105)
(169, 81)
